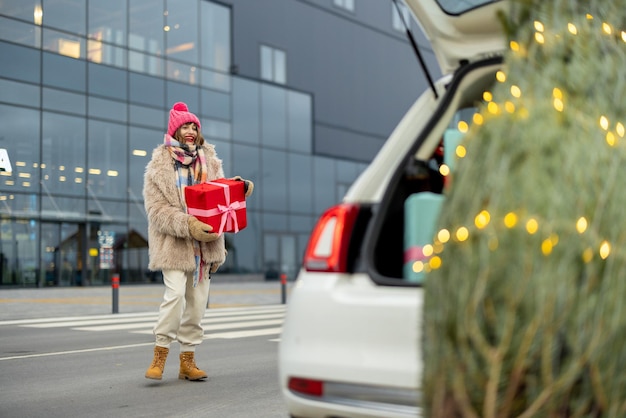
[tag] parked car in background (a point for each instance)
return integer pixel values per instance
(350, 344)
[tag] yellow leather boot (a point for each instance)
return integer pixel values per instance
(188, 368)
(155, 371)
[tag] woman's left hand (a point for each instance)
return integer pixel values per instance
(248, 185)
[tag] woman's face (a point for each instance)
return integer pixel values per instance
(189, 132)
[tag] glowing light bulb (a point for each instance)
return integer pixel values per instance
(487, 96)
(443, 235)
(588, 255)
(514, 46)
(460, 151)
(572, 29)
(539, 38)
(610, 139)
(546, 246)
(435, 262)
(500, 76)
(606, 28)
(558, 104)
(462, 126)
(493, 108)
(619, 128)
(538, 26)
(509, 107)
(516, 91)
(581, 224)
(477, 118)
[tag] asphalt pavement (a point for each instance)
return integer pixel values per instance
(52, 302)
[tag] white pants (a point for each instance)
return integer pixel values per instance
(182, 310)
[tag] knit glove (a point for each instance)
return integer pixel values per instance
(201, 231)
(214, 267)
(248, 186)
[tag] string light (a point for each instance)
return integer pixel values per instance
(605, 250)
(482, 219)
(500, 76)
(462, 233)
(516, 91)
(532, 226)
(581, 224)
(604, 122)
(572, 29)
(510, 220)
(460, 151)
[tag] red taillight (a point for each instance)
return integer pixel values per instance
(328, 245)
(306, 386)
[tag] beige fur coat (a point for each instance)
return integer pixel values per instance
(169, 241)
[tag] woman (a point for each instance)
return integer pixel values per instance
(182, 247)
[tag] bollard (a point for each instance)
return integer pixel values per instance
(115, 287)
(283, 288)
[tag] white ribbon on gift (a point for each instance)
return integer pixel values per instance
(227, 211)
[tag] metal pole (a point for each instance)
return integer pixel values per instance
(115, 286)
(283, 288)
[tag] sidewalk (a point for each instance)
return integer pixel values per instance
(98, 300)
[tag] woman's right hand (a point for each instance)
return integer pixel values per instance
(201, 231)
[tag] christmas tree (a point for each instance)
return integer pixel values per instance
(525, 305)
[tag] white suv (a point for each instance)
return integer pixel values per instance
(350, 345)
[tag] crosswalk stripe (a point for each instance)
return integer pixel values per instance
(248, 324)
(135, 325)
(243, 334)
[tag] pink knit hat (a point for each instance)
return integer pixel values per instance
(180, 115)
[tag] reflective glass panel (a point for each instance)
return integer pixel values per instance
(107, 21)
(215, 80)
(102, 53)
(323, 184)
(215, 36)
(146, 23)
(63, 72)
(184, 73)
(181, 30)
(28, 10)
(246, 118)
(20, 123)
(147, 90)
(107, 109)
(64, 101)
(215, 104)
(108, 82)
(246, 164)
(299, 192)
(177, 92)
(20, 32)
(67, 15)
(24, 64)
(19, 93)
(274, 180)
(141, 144)
(274, 116)
(63, 155)
(146, 63)
(107, 160)
(299, 121)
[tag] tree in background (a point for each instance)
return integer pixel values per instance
(526, 315)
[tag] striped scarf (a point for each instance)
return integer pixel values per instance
(191, 167)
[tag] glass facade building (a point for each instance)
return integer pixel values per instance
(85, 89)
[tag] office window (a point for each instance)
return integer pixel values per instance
(397, 19)
(181, 30)
(107, 21)
(215, 35)
(345, 4)
(273, 65)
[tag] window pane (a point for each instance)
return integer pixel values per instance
(107, 81)
(145, 63)
(274, 180)
(146, 26)
(142, 142)
(246, 164)
(324, 184)
(107, 160)
(274, 121)
(212, 128)
(177, 92)
(215, 80)
(19, 93)
(107, 21)
(28, 10)
(215, 104)
(181, 30)
(68, 15)
(102, 53)
(140, 115)
(300, 193)
(280, 66)
(215, 35)
(299, 121)
(108, 109)
(21, 33)
(147, 90)
(23, 154)
(63, 154)
(23, 65)
(63, 101)
(246, 123)
(64, 44)
(267, 71)
(68, 73)
(182, 72)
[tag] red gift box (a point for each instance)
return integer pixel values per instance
(220, 203)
